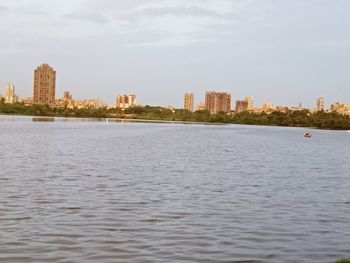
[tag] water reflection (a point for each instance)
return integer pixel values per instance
(43, 119)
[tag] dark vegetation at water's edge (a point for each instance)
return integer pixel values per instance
(302, 118)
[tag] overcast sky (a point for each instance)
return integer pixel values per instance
(282, 51)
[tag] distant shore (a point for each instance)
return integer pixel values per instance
(299, 118)
(39, 118)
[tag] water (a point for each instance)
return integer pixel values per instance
(87, 191)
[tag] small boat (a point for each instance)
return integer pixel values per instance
(307, 134)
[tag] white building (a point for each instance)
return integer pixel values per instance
(10, 94)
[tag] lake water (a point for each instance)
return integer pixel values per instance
(88, 191)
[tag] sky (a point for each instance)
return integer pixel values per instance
(282, 51)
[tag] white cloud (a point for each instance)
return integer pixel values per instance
(146, 23)
(179, 22)
(158, 23)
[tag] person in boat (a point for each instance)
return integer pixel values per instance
(308, 134)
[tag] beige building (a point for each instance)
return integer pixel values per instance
(342, 108)
(44, 85)
(216, 102)
(189, 102)
(126, 101)
(250, 103)
(268, 107)
(241, 106)
(95, 104)
(10, 94)
(67, 101)
(320, 104)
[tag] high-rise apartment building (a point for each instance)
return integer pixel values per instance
(250, 102)
(241, 106)
(320, 104)
(216, 102)
(44, 85)
(126, 101)
(10, 94)
(189, 102)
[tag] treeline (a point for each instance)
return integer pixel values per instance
(302, 118)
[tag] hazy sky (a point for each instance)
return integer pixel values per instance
(282, 51)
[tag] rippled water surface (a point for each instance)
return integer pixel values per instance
(86, 191)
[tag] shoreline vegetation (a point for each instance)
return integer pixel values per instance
(301, 118)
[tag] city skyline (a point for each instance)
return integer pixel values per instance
(285, 52)
(44, 67)
(44, 92)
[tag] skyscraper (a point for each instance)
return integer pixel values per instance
(44, 85)
(320, 104)
(216, 102)
(126, 101)
(189, 102)
(10, 94)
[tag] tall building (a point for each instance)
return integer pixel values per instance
(126, 101)
(44, 85)
(250, 102)
(216, 102)
(320, 104)
(10, 94)
(241, 106)
(189, 102)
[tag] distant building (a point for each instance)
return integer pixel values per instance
(342, 108)
(27, 101)
(320, 104)
(67, 101)
(200, 106)
(282, 109)
(44, 85)
(268, 107)
(216, 102)
(10, 94)
(241, 106)
(126, 101)
(250, 102)
(67, 95)
(95, 104)
(189, 102)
